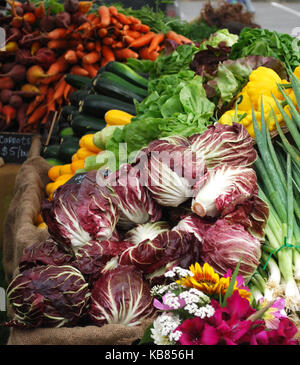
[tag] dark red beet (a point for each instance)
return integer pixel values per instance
(63, 20)
(23, 57)
(28, 39)
(71, 6)
(15, 101)
(78, 18)
(5, 95)
(14, 34)
(47, 23)
(19, 10)
(27, 28)
(17, 73)
(28, 7)
(44, 57)
(6, 67)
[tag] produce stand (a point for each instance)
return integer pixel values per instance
(156, 198)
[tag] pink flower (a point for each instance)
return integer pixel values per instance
(240, 283)
(230, 326)
(273, 315)
(284, 334)
(196, 331)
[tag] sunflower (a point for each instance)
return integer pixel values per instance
(208, 281)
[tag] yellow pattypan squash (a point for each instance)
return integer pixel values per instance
(263, 81)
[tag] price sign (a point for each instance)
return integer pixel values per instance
(14, 147)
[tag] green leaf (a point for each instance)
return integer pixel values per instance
(171, 106)
(229, 291)
(226, 83)
(147, 336)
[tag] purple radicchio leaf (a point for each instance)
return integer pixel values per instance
(80, 213)
(220, 144)
(121, 296)
(46, 252)
(168, 249)
(222, 189)
(95, 258)
(48, 296)
(136, 205)
(194, 225)
(169, 171)
(147, 231)
(225, 244)
(252, 214)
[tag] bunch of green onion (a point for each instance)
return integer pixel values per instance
(278, 173)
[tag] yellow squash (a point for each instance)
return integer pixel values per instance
(117, 117)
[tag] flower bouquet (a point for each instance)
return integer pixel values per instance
(198, 307)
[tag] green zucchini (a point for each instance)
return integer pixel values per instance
(77, 81)
(83, 124)
(115, 82)
(68, 131)
(98, 105)
(105, 85)
(67, 149)
(67, 110)
(127, 73)
(51, 151)
(73, 115)
(64, 125)
(54, 161)
(76, 96)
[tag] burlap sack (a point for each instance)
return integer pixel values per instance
(20, 232)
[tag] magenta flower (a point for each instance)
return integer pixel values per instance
(230, 326)
(197, 331)
(284, 334)
(240, 283)
(273, 315)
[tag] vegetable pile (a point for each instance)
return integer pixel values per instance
(144, 219)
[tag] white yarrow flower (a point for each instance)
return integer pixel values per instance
(172, 300)
(177, 270)
(175, 336)
(163, 326)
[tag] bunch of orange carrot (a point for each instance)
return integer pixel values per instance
(78, 42)
(108, 35)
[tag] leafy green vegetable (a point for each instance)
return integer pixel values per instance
(221, 35)
(254, 41)
(176, 105)
(164, 64)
